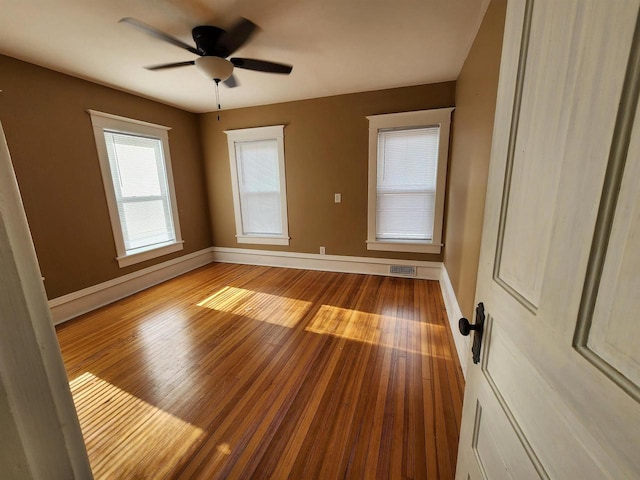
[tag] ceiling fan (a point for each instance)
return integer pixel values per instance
(213, 46)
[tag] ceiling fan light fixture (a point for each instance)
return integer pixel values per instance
(214, 68)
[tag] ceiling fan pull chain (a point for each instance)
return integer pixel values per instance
(218, 96)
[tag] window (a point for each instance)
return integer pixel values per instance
(407, 173)
(256, 156)
(136, 171)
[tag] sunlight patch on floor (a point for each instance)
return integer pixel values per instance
(224, 448)
(264, 307)
(372, 328)
(116, 424)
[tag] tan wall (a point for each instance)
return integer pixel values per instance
(54, 155)
(326, 152)
(471, 147)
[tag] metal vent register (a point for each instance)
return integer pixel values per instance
(404, 270)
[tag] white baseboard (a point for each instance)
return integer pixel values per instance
(73, 304)
(327, 263)
(365, 265)
(454, 313)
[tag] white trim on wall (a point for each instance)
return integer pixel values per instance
(273, 132)
(73, 304)
(102, 122)
(82, 301)
(404, 120)
(454, 314)
(328, 263)
(363, 265)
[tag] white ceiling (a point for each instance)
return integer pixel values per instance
(335, 46)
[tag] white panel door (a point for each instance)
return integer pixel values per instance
(556, 393)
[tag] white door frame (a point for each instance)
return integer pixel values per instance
(41, 436)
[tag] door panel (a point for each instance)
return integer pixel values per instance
(609, 336)
(559, 270)
(557, 53)
(498, 451)
(533, 407)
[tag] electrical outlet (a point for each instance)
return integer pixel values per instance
(337, 198)
(322, 251)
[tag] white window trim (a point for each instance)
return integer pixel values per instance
(422, 118)
(102, 121)
(247, 135)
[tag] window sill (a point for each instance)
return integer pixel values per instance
(164, 249)
(263, 239)
(411, 247)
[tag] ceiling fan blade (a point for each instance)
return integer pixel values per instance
(231, 82)
(236, 36)
(154, 32)
(171, 65)
(261, 65)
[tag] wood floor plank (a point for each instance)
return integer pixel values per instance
(360, 435)
(236, 371)
(428, 388)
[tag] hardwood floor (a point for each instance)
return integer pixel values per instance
(234, 371)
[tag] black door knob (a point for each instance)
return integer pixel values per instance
(466, 327)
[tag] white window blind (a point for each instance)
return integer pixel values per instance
(407, 163)
(142, 194)
(259, 187)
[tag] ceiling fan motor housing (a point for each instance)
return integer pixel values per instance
(207, 38)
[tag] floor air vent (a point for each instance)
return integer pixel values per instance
(404, 270)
